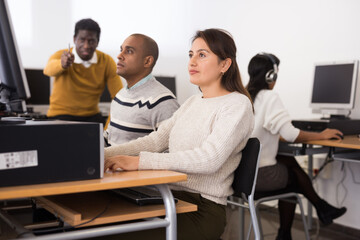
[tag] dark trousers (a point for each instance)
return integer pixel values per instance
(94, 118)
(206, 223)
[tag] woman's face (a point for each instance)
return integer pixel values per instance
(204, 66)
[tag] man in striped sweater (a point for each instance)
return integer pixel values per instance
(144, 103)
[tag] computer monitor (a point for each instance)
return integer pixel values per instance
(40, 88)
(39, 85)
(334, 87)
(105, 96)
(105, 101)
(14, 88)
(168, 82)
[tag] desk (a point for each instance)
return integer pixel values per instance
(351, 142)
(110, 181)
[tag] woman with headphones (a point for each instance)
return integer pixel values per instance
(271, 122)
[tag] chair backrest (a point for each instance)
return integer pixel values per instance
(246, 173)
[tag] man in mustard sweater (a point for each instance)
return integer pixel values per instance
(80, 76)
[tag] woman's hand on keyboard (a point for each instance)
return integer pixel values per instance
(123, 162)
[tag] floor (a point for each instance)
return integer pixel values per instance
(269, 220)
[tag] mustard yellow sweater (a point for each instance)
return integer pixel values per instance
(77, 90)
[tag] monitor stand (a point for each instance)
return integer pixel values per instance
(334, 114)
(334, 117)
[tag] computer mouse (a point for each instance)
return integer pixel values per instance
(341, 136)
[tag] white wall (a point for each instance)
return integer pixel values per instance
(300, 33)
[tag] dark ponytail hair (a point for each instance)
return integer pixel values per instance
(222, 45)
(259, 65)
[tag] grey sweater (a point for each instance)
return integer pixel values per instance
(138, 111)
(205, 138)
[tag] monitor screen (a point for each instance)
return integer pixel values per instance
(168, 82)
(105, 96)
(39, 85)
(334, 85)
(13, 83)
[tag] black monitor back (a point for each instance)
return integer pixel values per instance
(39, 85)
(168, 82)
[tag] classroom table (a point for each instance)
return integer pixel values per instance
(111, 180)
(347, 149)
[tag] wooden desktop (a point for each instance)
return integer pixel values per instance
(88, 188)
(110, 181)
(350, 143)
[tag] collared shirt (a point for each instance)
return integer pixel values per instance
(141, 82)
(86, 64)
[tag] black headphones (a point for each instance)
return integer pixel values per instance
(271, 75)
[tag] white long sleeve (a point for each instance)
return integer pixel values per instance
(272, 120)
(205, 138)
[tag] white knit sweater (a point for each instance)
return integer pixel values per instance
(205, 137)
(272, 120)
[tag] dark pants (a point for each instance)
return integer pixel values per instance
(208, 222)
(94, 118)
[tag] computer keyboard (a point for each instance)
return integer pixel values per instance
(141, 195)
(34, 116)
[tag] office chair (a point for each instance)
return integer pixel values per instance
(287, 194)
(245, 180)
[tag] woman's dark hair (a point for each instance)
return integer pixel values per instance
(87, 24)
(259, 65)
(222, 44)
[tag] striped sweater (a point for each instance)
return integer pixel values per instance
(136, 112)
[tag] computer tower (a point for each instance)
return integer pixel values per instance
(50, 151)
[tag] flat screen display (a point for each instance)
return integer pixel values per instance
(39, 85)
(168, 82)
(334, 85)
(12, 74)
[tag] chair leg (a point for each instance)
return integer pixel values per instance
(254, 219)
(239, 203)
(242, 221)
(249, 231)
(306, 229)
(259, 220)
(250, 227)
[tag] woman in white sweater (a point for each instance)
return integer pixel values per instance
(205, 137)
(272, 121)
